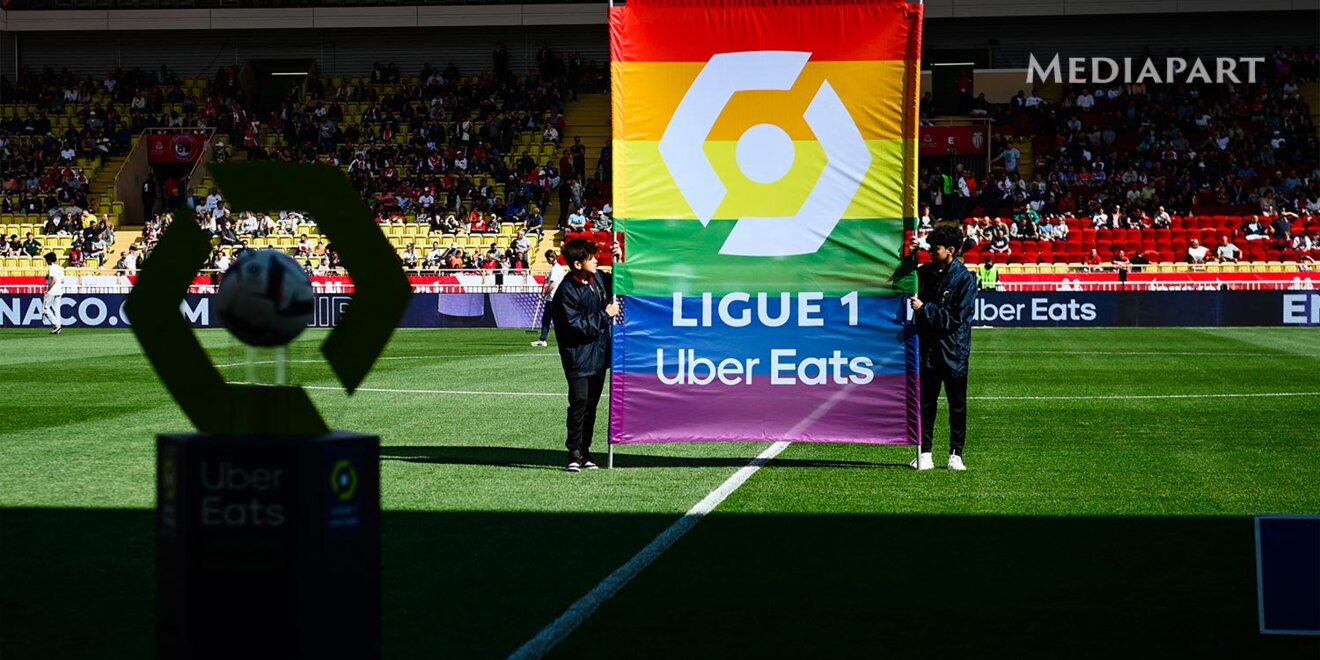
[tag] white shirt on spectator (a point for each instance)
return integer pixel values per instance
(1085, 101)
(552, 282)
(131, 261)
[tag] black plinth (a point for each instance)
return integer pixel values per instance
(268, 546)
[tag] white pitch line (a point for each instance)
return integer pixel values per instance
(393, 391)
(830, 403)
(1248, 395)
(580, 611)
(585, 606)
(402, 357)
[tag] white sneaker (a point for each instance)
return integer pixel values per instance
(955, 463)
(923, 461)
(539, 343)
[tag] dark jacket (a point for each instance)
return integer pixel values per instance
(582, 328)
(944, 322)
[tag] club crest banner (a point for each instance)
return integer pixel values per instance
(765, 173)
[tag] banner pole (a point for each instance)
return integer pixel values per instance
(614, 236)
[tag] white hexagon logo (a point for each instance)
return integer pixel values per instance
(765, 153)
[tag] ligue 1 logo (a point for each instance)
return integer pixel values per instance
(765, 153)
(343, 480)
(270, 297)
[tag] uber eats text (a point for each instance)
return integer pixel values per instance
(781, 366)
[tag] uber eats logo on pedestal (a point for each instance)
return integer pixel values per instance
(238, 496)
(382, 292)
(765, 153)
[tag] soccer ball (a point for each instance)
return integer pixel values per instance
(265, 298)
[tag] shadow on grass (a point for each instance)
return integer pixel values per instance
(521, 457)
(78, 583)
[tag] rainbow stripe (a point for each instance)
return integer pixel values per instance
(765, 171)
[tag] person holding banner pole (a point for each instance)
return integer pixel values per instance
(942, 311)
(583, 311)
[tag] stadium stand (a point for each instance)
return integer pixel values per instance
(460, 164)
(1159, 174)
(479, 171)
(1213, 149)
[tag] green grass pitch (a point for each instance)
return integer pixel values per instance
(1101, 516)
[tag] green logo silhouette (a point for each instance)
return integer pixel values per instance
(382, 293)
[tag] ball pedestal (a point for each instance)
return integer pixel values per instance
(268, 547)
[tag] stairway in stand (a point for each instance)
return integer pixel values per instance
(1310, 92)
(588, 118)
(101, 189)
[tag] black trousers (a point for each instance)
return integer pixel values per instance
(547, 316)
(583, 398)
(955, 388)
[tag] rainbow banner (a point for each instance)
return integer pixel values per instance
(765, 172)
